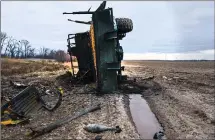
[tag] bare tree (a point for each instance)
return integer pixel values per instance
(41, 52)
(52, 54)
(11, 47)
(32, 52)
(19, 50)
(23, 49)
(3, 38)
(60, 56)
(44, 52)
(26, 47)
(6, 53)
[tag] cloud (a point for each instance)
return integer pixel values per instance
(195, 22)
(197, 55)
(159, 27)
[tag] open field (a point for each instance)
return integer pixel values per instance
(21, 66)
(181, 95)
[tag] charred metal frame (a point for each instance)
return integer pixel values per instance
(109, 53)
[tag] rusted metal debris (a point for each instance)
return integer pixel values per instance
(40, 131)
(19, 108)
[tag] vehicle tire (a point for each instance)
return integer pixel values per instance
(124, 25)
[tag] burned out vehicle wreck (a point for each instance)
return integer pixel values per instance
(99, 55)
(98, 51)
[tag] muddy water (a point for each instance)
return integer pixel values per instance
(145, 121)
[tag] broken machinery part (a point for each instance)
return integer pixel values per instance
(19, 108)
(40, 131)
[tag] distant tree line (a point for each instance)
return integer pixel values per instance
(22, 49)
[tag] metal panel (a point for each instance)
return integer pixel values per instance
(83, 51)
(105, 40)
(84, 56)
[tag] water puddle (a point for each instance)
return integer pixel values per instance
(145, 121)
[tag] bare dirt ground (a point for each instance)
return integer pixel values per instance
(114, 111)
(181, 95)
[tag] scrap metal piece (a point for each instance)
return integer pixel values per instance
(40, 131)
(98, 128)
(83, 22)
(46, 104)
(12, 122)
(26, 102)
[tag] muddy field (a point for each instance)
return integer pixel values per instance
(75, 98)
(181, 94)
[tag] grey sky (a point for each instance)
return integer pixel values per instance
(159, 27)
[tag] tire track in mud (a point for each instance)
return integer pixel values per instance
(126, 102)
(190, 97)
(129, 130)
(185, 108)
(162, 118)
(170, 106)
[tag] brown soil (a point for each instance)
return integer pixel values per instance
(113, 112)
(181, 95)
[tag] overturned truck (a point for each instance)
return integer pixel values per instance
(98, 50)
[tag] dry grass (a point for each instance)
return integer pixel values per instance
(20, 66)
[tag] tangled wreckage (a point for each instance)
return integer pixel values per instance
(99, 57)
(98, 51)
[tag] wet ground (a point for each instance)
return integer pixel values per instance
(180, 94)
(144, 119)
(114, 111)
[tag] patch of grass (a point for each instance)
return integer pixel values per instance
(20, 66)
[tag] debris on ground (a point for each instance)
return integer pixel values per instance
(11, 118)
(158, 135)
(183, 105)
(19, 108)
(40, 131)
(52, 98)
(24, 103)
(149, 77)
(5, 98)
(18, 85)
(98, 128)
(164, 77)
(98, 137)
(112, 113)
